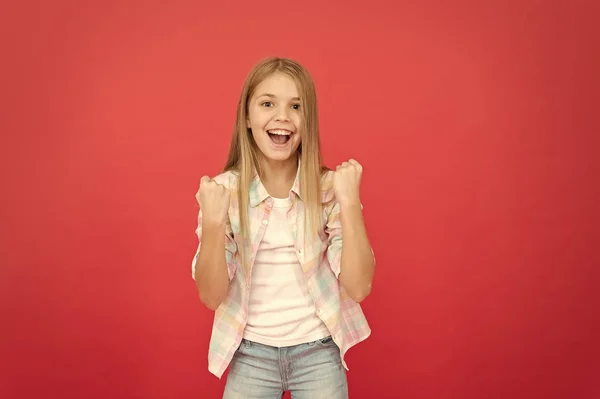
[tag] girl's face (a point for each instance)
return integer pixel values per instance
(275, 117)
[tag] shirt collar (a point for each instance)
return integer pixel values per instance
(258, 192)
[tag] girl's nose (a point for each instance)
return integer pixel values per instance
(282, 115)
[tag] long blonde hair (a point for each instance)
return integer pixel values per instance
(244, 154)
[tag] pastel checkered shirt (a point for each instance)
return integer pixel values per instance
(320, 261)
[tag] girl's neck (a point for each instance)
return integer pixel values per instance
(278, 176)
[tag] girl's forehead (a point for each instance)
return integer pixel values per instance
(277, 82)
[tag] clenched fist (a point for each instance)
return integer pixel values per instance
(213, 199)
(346, 182)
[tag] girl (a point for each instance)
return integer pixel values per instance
(270, 260)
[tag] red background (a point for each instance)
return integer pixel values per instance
(476, 128)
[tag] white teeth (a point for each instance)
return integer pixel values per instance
(280, 132)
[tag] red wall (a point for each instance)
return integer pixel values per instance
(476, 126)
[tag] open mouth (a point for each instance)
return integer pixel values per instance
(279, 136)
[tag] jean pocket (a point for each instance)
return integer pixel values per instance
(245, 345)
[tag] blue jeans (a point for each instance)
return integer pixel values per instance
(313, 370)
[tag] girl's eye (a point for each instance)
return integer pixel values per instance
(296, 106)
(267, 104)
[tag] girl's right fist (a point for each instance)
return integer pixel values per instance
(213, 199)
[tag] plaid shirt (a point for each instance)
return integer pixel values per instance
(320, 260)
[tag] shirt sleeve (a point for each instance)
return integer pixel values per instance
(333, 228)
(230, 248)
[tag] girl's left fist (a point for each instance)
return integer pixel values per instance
(346, 182)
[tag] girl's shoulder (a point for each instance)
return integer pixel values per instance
(229, 179)
(327, 194)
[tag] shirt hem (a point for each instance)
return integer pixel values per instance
(361, 339)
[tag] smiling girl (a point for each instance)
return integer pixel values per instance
(270, 260)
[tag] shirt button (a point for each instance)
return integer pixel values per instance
(265, 222)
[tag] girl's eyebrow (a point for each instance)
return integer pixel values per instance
(274, 96)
